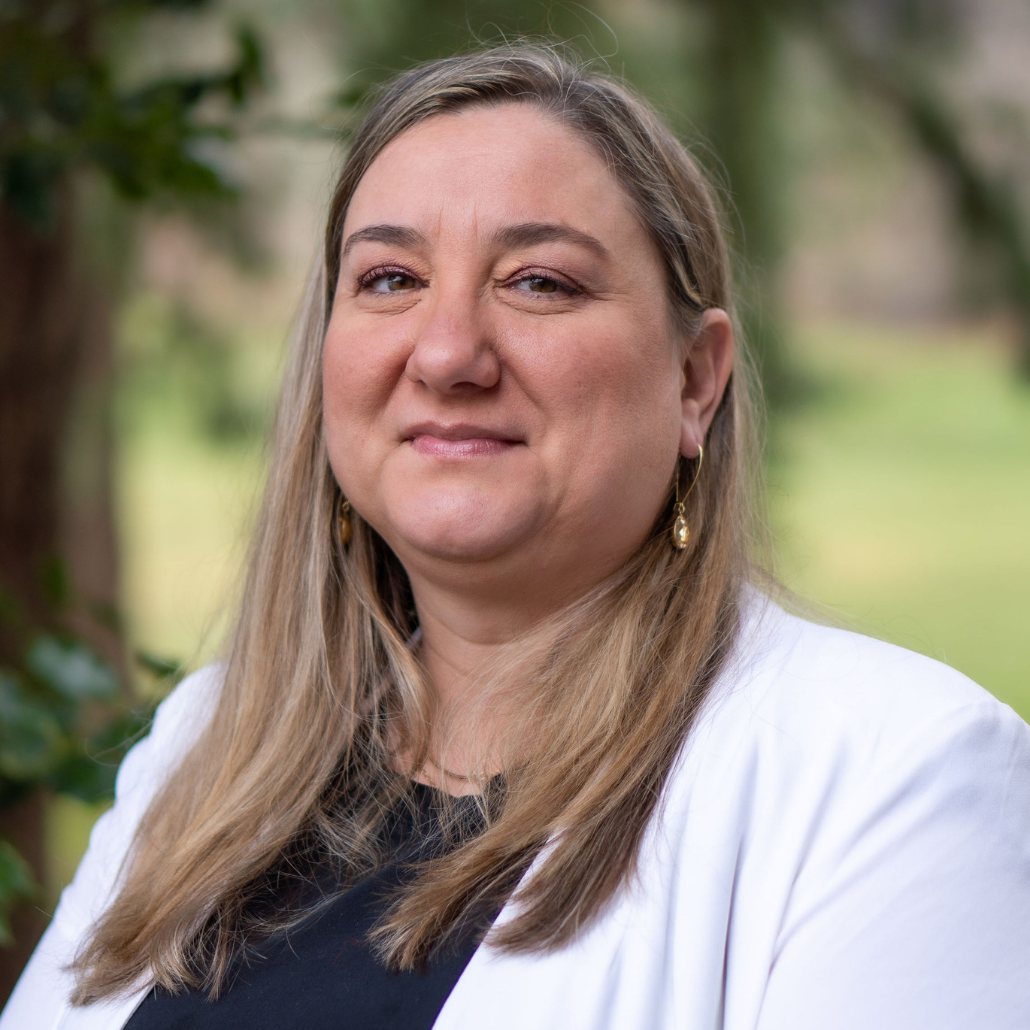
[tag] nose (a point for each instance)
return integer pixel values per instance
(454, 353)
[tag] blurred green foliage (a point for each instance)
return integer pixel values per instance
(62, 109)
(64, 728)
(16, 884)
(42, 706)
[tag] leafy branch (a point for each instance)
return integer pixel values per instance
(61, 110)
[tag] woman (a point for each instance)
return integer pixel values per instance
(501, 667)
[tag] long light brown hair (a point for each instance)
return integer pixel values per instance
(300, 756)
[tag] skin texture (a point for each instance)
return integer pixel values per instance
(505, 404)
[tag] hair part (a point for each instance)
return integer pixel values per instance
(319, 680)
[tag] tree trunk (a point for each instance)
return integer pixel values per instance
(40, 346)
(56, 526)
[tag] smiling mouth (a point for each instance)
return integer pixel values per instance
(460, 441)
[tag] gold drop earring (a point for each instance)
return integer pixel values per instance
(680, 529)
(343, 522)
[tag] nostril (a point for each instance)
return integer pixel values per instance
(453, 362)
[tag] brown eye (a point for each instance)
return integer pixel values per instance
(391, 282)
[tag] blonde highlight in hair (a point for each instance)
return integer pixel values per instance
(319, 678)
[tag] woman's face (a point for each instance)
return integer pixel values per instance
(503, 384)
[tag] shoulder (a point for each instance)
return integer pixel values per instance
(816, 687)
(865, 812)
(822, 745)
(875, 806)
(814, 735)
(178, 721)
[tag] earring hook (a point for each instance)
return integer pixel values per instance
(680, 529)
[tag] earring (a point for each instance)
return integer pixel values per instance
(680, 529)
(343, 523)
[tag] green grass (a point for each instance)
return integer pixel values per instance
(900, 493)
(901, 497)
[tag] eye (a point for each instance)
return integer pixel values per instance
(388, 280)
(542, 284)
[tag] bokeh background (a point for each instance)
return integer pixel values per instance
(164, 171)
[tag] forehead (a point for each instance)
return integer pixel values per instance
(484, 167)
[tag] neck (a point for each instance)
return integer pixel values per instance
(469, 614)
(463, 636)
(460, 637)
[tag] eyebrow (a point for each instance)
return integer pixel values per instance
(529, 233)
(392, 235)
(526, 234)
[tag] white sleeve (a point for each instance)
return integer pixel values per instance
(918, 917)
(41, 995)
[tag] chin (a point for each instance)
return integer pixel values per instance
(462, 529)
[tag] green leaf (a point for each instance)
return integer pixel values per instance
(56, 581)
(10, 609)
(16, 883)
(71, 669)
(89, 773)
(106, 615)
(85, 778)
(31, 740)
(159, 666)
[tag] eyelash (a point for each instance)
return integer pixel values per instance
(526, 275)
(377, 273)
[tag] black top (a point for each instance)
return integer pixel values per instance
(323, 973)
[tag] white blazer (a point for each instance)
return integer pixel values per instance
(844, 845)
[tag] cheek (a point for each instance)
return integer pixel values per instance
(357, 380)
(623, 390)
(637, 436)
(358, 370)
(612, 400)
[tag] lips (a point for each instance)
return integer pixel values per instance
(459, 440)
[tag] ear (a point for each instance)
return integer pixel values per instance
(706, 371)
